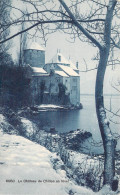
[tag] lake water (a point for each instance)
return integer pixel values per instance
(65, 121)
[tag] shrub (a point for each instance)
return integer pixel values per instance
(14, 86)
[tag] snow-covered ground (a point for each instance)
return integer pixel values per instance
(27, 168)
(49, 106)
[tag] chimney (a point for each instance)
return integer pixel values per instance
(77, 65)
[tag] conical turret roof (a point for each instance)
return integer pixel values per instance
(35, 46)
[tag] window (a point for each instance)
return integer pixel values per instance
(59, 58)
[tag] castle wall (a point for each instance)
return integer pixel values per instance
(66, 82)
(72, 84)
(51, 88)
(34, 58)
(75, 90)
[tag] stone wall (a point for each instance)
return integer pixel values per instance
(34, 58)
(75, 90)
(45, 90)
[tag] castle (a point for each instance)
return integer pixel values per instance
(55, 82)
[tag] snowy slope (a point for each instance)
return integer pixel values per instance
(26, 168)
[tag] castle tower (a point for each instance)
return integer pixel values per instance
(34, 55)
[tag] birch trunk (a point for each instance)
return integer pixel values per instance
(108, 141)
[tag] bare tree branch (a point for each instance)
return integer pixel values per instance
(34, 25)
(116, 45)
(115, 114)
(79, 26)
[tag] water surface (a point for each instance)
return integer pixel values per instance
(65, 121)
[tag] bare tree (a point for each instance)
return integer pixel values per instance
(4, 19)
(98, 25)
(23, 43)
(104, 48)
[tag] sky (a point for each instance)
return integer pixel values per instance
(78, 51)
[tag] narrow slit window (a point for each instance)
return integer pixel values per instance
(59, 58)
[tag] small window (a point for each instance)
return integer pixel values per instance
(59, 58)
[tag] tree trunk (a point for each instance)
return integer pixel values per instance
(108, 142)
(104, 48)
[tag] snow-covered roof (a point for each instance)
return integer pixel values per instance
(59, 58)
(68, 70)
(61, 73)
(35, 46)
(38, 70)
(73, 66)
